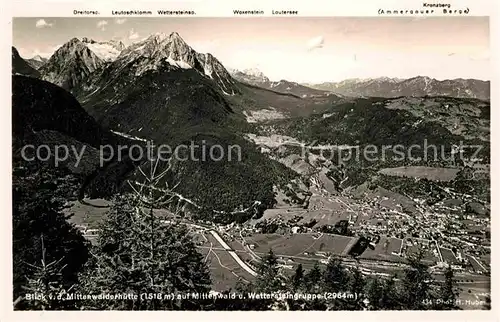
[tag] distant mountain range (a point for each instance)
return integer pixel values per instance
(257, 78)
(416, 86)
(376, 87)
(37, 61)
(83, 56)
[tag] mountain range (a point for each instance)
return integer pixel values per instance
(255, 77)
(374, 87)
(83, 56)
(160, 89)
(105, 50)
(416, 86)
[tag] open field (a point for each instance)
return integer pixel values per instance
(431, 173)
(88, 212)
(448, 255)
(383, 250)
(429, 257)
(299, 244)
(224, 271)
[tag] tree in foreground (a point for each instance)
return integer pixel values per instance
(356, 288)
(448, 292)
(374, 294)
(271, 280)
(47, 282)
(336, 282)
(139, 253)
(298, 277)
(390, 299)
(46, 247)
(268, 279)
(416, 285)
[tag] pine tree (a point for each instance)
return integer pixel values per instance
(46, 281)
(336, 281)
(39, 194)
(271, 280)
(374, 294)
(357, 282)
(416, 285)
(312, 279)
(268, 279)
(356, 288)
(313, 285)
(447, 292)
(298, 277)
(335, 277)
(139, 253)
(390, 299)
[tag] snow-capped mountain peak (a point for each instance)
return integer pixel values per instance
(39, 58)
(254, 72)
(106, 50)
(250, 76)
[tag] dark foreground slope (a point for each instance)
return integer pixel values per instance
(48, 119)
(39, 105)
(21, 67)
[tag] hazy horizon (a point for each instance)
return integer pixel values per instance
(299, 49)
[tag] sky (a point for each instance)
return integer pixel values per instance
(300, 49)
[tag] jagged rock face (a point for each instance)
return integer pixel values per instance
(177, 53)
(217, 72)
(21, 67)
(251, 76)
(70, 64)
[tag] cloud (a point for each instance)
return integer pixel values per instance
(102, 24)
(41, 23)
(316, 42)
(132, 35)
(120, 21)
